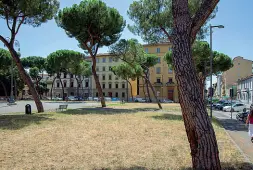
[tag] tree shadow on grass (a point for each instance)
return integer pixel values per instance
(225, 166)
(107, 111)
(15, 122)
(168, 116)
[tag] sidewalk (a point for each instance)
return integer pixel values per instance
(238, 131)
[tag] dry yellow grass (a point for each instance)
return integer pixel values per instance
(120, 137)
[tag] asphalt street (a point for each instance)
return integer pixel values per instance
(20, 107)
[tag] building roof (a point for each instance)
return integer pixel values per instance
(156, 44)
(245, 78)
(241, 58)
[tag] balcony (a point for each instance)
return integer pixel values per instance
(158, 84)
(170, 83)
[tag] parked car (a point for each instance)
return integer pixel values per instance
(139, 100)
(238, 107)
(220, 106)
(167, 101)
(72, 98)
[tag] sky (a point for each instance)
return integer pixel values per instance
(235, 39)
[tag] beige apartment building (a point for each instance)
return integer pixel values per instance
(242, 68)
(112, 86)
(161, 76)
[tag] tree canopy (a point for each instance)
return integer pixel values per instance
(153, 19)
(34, 61)
(126, 72)
(201, 55)
(92, 23)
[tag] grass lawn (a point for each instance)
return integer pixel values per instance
(130, 136)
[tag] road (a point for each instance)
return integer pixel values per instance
(237, 130)
(20, 107)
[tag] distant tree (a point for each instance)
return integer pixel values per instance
(36, 66)
(30, 12)
(81, 69)
(59, 62)
(5, 73)
(180, 21)
(94, 25)
(132, 53)
(127, 72)
(201, 56)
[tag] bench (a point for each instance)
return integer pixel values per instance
(62, 107)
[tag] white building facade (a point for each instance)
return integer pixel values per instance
(245, 90)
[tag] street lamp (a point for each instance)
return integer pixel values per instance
(16, 44)
(211, 64)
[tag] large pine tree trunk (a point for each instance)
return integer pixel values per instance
(143, 88)
(62, 87)
(131, 90)
(154, 93)
(5, 91)
(147, 78)
(98, 85)
(51, 91)
(26, 79)
(200, 133)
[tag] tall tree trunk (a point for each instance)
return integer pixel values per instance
(132, 96)
(63, 97)
(143, 87)
(154, 93)
(147, 78)
(5, 91)
(26, 78)
(200, 133)
(201, 81)
(77, 89)
(51, 91)
(98, 85)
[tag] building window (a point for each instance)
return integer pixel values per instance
(158, 70)
(97, 60)
(158, 50)
(110, 77)
(64, 84)
(72, 84)
(103, 68)
(159, 60)
(158, 80)
(104, 60)
(116, 94)
(86, 84)
(123, 94)
(169, 49)
(79, 84)
(71, 75)
(103, 86)
(104, 94)
(123, 86)
(146, 50)
(65, 75)
(116, 86)
(110, 68)
(97, 94)
(116, 78)
(58, 84)
(170, 80)
(238, 63)
(170, 71)
(97, 68)
(110, 86)
(103, 77)
(110, 59)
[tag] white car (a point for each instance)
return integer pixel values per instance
(238, 107)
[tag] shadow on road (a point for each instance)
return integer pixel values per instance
(14, 122)
(233, 125)
(106, 111)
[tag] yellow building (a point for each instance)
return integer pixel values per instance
(112, 86)
(161, 77)
(242, 68)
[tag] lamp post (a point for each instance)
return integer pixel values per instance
(211, 65)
